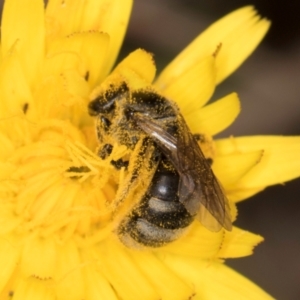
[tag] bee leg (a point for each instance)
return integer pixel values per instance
(105, 151)
(120, 163)
(142, 165)
(146, 159)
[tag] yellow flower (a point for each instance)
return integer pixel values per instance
(57, 216)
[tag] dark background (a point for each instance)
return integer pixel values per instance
(269, 87)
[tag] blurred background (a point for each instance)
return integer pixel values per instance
(269, 88)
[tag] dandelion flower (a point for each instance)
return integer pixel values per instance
(57, 230)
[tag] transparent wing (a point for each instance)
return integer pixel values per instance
(199, 189)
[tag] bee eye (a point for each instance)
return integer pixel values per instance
(101, 105)
(105, 123)
(106, 102)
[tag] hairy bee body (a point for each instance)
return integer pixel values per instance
(181, 187)
(159, 218)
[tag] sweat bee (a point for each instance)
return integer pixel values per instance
(180, 186)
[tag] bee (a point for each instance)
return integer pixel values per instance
(180, 184)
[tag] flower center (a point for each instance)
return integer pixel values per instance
(61, 187)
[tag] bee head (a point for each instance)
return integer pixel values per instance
(105, 103)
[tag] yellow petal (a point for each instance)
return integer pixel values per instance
(118, 258)
(101, 15)
(238, 42)
(39, 257)
(77, 16)
(134, 61)
(9, 257)
(238, 243)
(98, 287)
(14, 88)
(236, 34)
(198, 242)
(214, 280)
(280, 161)
(191, 86)
(114, 20)
(130, 71)
(64, 17)
(57, 63)
(238, 194)
(91, 49)
(62, 95)
(1, 58)
(34, 288)
(230, 168)
(9, 220)
(68, 272)
(215, 117)
(23, 26)
(6, 148)
(166, 282)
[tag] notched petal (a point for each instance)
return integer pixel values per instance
(215, 280)
(238, 243)
(230, 40)
(192, 87)
(280, 162)
(239, 44)
(215, 117)
(106, 16)
(134, 61)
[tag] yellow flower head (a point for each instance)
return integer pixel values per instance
(67, 185)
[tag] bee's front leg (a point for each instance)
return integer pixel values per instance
(141, 168)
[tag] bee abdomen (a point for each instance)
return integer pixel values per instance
(155, 222)
(165, 185)
(165, 214)
(147, 234)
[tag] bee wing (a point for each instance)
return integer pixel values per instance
(199, 189)
(167, 142)
(214, 211)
